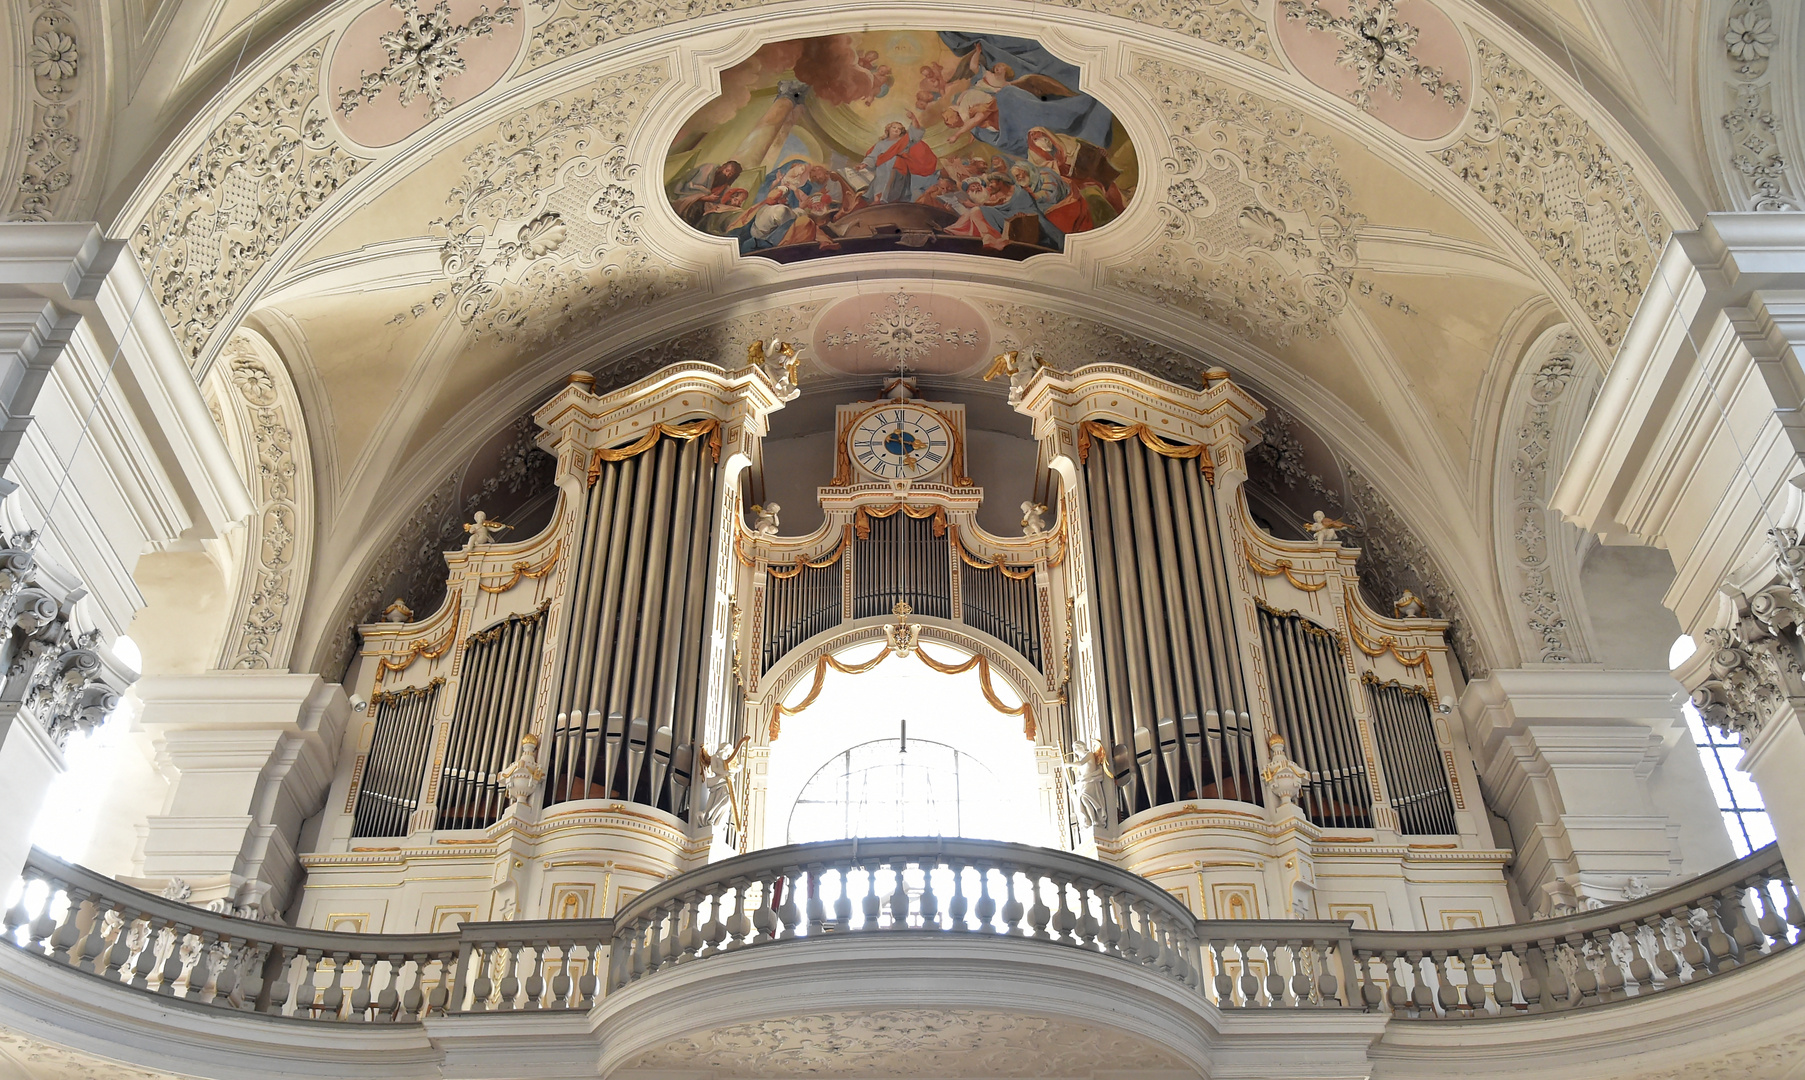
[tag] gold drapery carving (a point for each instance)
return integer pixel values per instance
(979, 564)
(1282, 566)
(861, 518)
(521, 570)
(417, 650)
(978, 660)
(695, 429)
(1386, 644)
(383, 697)
(1109, 432)
(802, 561)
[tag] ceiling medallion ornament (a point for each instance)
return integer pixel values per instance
(423, 53)
(901, 333)
(1379, 47)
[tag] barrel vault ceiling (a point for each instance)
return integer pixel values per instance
(428, 260)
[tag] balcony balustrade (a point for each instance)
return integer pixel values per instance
(783, 898)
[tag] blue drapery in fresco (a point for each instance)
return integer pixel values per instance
(1080, 116)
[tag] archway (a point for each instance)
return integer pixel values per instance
(933, 741)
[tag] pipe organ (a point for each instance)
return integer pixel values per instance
(594, 708)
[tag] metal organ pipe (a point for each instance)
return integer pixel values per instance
(1415, 775)
(1169, 671)
(635, 654)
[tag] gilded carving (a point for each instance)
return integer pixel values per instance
(257, 176)
(1553, 178)
(1259, 233)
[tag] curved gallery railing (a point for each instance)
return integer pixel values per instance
(1735, 916)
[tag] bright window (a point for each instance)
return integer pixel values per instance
(1738, 799)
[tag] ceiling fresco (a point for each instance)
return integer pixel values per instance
(897, 140)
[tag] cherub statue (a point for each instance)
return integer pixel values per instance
(1284, 777)
(1085, 773)
(1325, 529)
(766, 516)
(721, 766)
(521, 777)
(483, 531)
(398, 612)
(1032, 513)
(1018, 366)
(1408, 606)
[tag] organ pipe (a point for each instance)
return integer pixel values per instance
(628, 707)
(492, 711)
(1415, 778)
(396, 764)
(1175, 718)
(1314, 713)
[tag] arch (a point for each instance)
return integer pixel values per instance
(269, 442)
(812, 658)
(1538, 552)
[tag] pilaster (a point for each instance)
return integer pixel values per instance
(1594, 773)
(1697, 445)
(29, 762)
(249, 756)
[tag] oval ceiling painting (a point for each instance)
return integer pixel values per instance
(901, 140)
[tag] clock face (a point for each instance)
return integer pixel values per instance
(900, 442)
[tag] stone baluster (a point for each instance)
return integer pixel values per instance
(789, 912)
(899, 896)
(529, 979)
(482, 985)
(1111, 930)
(1065, 920)
(928, 903)
(1013, 908)
(960, 905)
(987, 906)
(1039, 914)
(843, 902)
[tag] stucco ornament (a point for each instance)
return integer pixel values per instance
(1757, 663)
(1566, 192)
(258, 175)
(1750, 36)
(50, 671)
(1378, 46)
(903, 331)
(1259, 231)
(1538, 556)
(422, 54)
(53, 56)
(1284, 777)
(273, 460)
(53, 62)
(1751, 127)
(909, 1043)
(522, 776)
(544, 228)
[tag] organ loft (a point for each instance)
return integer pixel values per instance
(614, 699)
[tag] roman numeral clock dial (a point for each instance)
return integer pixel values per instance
(900, 442)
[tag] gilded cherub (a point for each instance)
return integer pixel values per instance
(1018, 366)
